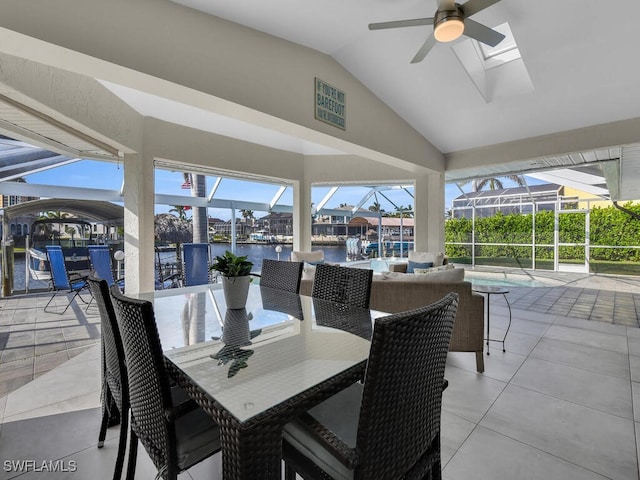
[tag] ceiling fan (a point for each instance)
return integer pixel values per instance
(450, 21)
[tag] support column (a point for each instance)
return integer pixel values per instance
(139, 209)
(302, 215)
(429, 213)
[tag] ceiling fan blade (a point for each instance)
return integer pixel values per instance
(474, 6)
(481, 33)
(401, 23)
(426, 47)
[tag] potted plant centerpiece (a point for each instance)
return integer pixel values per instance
(235, 271)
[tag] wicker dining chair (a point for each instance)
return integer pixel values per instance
(175, 438)
(343, 317)
(387, 427)
(342, 284)
(281, 275)
(115, 392)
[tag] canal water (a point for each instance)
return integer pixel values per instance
(255, 253)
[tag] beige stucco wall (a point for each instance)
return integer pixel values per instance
(55, 52)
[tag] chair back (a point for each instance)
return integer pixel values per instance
(149, 391)
(59, 275)
(280, 301)
(100, 257)
(344, 317)
(115, 370)
(281, 275)
(343, 285)
(402, 395)
(195, 258)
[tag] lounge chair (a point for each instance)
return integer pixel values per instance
(61, 281)
(195, 264)
(100, 257)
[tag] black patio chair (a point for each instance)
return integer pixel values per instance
(115, 391)
(387, 427)
(281, 275)
(342, 284)
(61, 281)
(343, 317)
(175, 438)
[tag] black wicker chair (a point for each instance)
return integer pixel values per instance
(343, 317)
(175, 437)
(281, 275)
(387, 428)
(342, 284)
(115, 394)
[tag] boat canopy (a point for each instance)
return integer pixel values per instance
(93, 210)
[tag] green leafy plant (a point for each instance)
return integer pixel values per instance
(231, 265)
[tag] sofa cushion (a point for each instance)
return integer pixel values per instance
(398, 267)
(436, 258)
(444, 276)
(413, 265)
(434, 275)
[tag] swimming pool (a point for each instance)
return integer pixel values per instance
(505, 279)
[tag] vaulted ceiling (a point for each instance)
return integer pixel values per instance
(580, 79)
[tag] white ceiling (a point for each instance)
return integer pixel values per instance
(581, 65)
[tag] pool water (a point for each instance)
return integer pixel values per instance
(502, 280)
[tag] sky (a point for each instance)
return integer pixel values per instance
(104, 175)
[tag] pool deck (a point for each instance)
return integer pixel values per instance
(33, 342)
(604, 298)
(563, 401)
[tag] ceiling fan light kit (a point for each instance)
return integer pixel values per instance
(448, 25)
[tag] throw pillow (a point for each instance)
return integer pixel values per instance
(427, 271)
(411, 265)
(421, 257)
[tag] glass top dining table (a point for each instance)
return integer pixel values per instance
(256, 368)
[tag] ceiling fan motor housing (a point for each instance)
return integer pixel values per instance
(448, 24)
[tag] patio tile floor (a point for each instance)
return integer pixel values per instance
(563, 401)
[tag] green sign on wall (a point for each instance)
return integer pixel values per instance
(330, 104)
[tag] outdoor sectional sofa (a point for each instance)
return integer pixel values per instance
(396, 292)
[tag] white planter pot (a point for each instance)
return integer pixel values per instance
(236, 290)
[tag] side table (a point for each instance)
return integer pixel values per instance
(488, 291)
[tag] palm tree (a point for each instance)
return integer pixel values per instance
(406, 212)
(199, 216)
(494, 183)
(69, 230)
(247, 215)
(180, 210)
(54, 217)
(375, 207)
